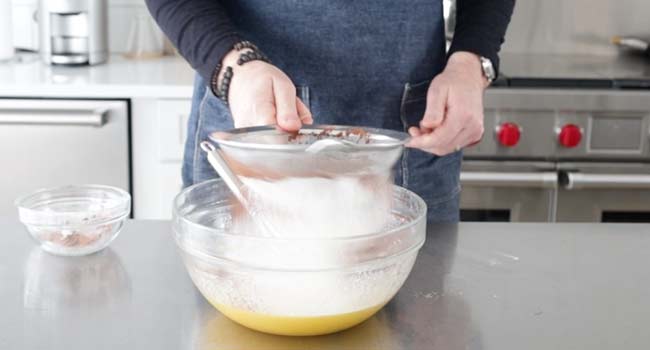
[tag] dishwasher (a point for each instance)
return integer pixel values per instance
(48, 142)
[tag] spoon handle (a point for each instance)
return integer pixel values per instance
(235, 185)
(219, 164)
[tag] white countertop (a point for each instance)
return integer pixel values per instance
(167, 77)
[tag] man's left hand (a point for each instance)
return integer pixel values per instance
(453, 117)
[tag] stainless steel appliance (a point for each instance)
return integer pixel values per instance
(73, 32)
(508, 191)
(46, 143)
(558, 154)
(567, 125)
(604, 192)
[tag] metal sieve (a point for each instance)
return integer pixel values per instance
(269, 152)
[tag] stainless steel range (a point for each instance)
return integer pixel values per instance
(562, 144)
(567, 125)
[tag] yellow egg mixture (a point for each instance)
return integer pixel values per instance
(297, 325)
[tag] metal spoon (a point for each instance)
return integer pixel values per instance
(234, 184)
(333, 144)
(329, 144)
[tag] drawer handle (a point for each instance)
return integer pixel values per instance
(505, 179)
(576, 181)
(96, 118)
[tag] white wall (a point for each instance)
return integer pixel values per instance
(120, 14)
(575, 26)
(543, 26)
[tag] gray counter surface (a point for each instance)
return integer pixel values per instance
(566, 66)
(474, 286)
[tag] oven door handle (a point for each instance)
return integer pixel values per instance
(509, 179)
(94, 117)
(577, 181)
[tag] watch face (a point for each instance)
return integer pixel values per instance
(488, 69)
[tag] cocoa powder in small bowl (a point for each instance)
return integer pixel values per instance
(74, 220)
(76, 238)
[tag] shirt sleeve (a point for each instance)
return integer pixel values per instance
(200, 30)
(481, 27)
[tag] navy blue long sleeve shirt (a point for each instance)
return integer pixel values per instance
(203, 32)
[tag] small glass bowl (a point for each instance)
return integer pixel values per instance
(74, 220)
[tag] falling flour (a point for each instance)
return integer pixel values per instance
(321, 207)
(309, 216)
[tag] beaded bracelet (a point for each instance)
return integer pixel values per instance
(221, 89)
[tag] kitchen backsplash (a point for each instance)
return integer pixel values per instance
(538, 26)
(574, 26)
(120, 16)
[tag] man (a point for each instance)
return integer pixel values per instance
(362, 62)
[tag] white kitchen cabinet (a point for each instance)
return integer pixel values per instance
(158, 131)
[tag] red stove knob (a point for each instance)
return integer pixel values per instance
(508, 134)
(570, 136)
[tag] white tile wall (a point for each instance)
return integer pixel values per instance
(575, 26)
(120, 15)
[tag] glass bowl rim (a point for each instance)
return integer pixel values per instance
(420, 215)
(118, 211)
(361, 265)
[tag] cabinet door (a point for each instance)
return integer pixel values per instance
(158, 139)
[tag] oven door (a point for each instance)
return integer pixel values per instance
(508, 191)
(604, 192)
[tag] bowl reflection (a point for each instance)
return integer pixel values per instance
(54, 283)
(218, 332)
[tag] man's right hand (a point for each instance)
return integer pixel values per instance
(261, 94)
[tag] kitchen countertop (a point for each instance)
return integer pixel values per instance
(167, 77)
(172, 77)
(474, 286)
(583, 71)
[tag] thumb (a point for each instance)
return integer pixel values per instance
(436, 105)
(285, 104)
(303, 112)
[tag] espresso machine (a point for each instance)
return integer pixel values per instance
(73, 32)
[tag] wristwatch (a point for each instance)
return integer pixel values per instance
(488, 69)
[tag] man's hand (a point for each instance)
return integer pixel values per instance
(453, 117)
(261, 94)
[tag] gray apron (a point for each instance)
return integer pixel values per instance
(364, 62)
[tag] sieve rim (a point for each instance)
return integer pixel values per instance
(395, 138)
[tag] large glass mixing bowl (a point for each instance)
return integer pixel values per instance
(294, 286)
